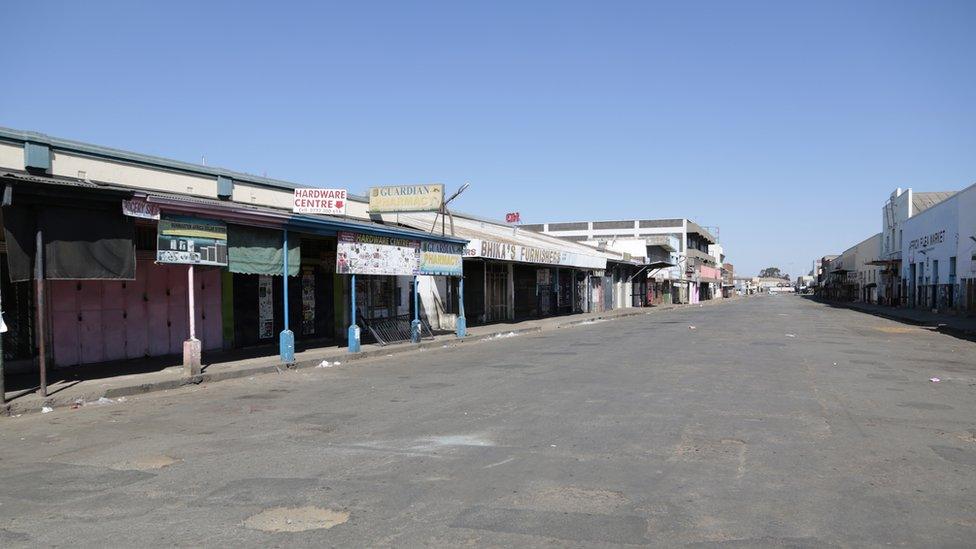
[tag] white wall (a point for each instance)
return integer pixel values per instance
(918, 245)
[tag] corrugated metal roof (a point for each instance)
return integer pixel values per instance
(286, 217)
(477, 229)
(924, 201)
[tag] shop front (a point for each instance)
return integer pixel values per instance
(385, 276)
(523, 282)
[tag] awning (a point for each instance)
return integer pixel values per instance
(659, 264)
(253, 250)
(85, 236)
(884, 262)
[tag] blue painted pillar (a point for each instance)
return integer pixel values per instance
(353, 333)
(462, 323)
(286, 341)
(415, 325)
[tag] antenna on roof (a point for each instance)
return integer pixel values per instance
(444, 212)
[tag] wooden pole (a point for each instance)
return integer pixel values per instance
(39, 329)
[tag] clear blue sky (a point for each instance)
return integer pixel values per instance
(786, 124)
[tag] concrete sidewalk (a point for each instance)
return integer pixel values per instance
(76, 393)
(959, 326)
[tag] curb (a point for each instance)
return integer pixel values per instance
(937, 326)
(53, 401)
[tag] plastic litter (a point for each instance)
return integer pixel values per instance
(46, 409)
(325, 364)
(103, 401)
(337, 363)
(934, 379)
(122, 399)
(692, 328)
(790, 335)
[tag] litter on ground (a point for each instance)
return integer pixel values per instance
(934, 379)
(324, 364)
(46, 409)
(790, 335)
(692, 328)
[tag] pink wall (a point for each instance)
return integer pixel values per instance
(100, 320)
(710, 272)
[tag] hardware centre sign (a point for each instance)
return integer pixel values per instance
(319, 201)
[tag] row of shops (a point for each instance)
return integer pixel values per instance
(925, 256)
(110, 256)
(96, 273)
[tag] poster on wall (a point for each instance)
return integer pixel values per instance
(191, 240)
(441, 258)
(376, 255)
(308, 301)
(406, 198)
(265, 307)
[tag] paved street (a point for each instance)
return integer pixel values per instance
(777, 421)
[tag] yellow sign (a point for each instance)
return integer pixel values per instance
(406, 198)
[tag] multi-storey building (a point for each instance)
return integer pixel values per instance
(683, 268)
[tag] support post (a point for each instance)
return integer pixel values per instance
(286, 340)
(3, 387)
(353, 333)
(462, 323)
(40, 330)
(191, 347)
(415, 324)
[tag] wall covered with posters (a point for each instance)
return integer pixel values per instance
(376, 255)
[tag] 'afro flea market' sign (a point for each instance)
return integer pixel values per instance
(319, 201)
(406, 198)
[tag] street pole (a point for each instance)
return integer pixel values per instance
(462, 323)
(415, 325)
(192, 349)
(286, 340)
(353, 332)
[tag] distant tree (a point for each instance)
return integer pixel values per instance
(770, 272)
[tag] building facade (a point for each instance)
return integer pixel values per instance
(684, 269)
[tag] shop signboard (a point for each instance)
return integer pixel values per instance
(191, 240)
(319, 201)
(376, 255)
(441, 258)
(140, 209)
(406, 198)
(506, 251)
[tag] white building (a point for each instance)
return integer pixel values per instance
(698, 274)
(939, 254)
(900, 206)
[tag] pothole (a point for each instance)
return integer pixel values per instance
(146, 463)
(296, 519)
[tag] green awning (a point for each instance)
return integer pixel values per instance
(252, 250)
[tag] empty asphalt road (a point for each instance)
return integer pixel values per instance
(775, 422)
